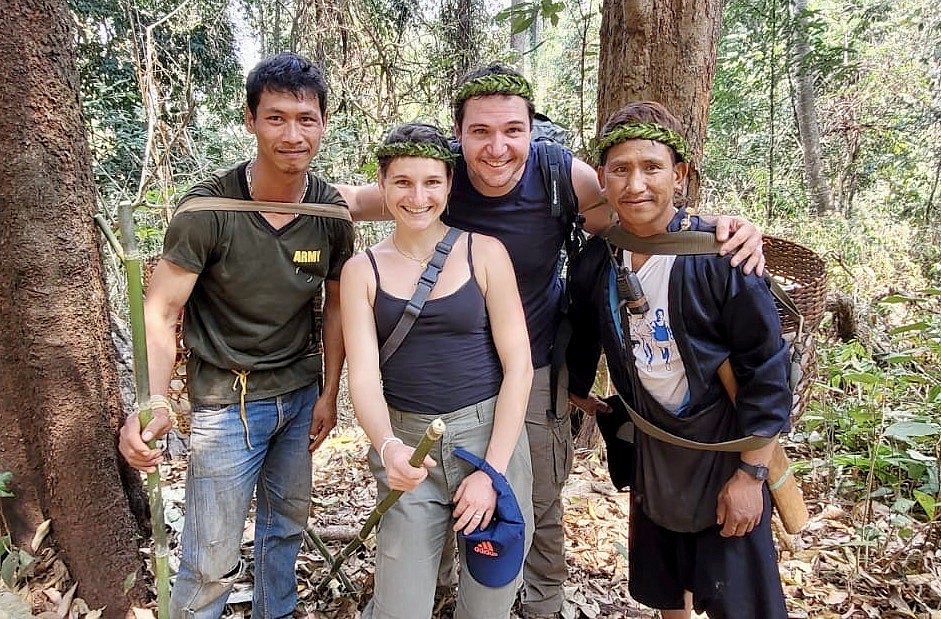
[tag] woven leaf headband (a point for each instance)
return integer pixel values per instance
(641, 131)
(425, 150)
(493, 84)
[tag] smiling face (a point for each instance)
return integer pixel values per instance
(415, 190)
(639, 179)
(494, 133)
(288, 129)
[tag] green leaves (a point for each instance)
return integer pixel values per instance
(521, 16)
(5, 478)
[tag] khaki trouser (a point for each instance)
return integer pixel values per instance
(414, 530)
(551, 448)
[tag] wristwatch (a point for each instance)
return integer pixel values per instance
(758, 471)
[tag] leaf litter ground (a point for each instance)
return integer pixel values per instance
(828, 570)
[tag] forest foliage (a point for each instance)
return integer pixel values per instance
(162, 89)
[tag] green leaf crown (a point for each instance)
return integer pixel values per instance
(641, 131)
(426, 150)
(493, 84)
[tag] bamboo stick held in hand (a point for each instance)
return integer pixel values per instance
(135, 302)
(434, 432)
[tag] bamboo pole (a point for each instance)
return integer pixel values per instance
(135, 301)
(434, 432)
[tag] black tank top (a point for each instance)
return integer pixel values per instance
(448, 360)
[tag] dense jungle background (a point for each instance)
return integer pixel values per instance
(823, 127)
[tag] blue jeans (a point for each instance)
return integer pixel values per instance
(223, 473)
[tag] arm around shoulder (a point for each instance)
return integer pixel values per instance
(591, 200)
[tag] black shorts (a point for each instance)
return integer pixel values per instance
(730, 577)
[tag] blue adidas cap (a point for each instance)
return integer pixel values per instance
(494, 555)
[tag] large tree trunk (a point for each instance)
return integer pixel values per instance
(661, 50)
(817, 188)
(59, 402)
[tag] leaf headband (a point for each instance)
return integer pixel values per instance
(641, 131)
(493, 84)
(425, 150)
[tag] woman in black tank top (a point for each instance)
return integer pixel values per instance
(466, 360)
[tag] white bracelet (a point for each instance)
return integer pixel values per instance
(159, 401)
(385, 443)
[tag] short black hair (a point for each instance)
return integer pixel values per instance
(286, 72)
(419, 133)
(494, 68)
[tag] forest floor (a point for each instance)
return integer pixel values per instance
(828, 570)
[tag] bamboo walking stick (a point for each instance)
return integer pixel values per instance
(434, 432)
(135, 301)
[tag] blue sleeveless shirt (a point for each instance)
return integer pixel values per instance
(532, 237)
(448, 359)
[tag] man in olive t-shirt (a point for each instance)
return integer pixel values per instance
(248, 281)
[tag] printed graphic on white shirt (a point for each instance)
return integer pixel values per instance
(656, 356)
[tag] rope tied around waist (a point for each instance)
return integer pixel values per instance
(240, 384)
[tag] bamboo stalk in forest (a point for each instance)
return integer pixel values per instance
(135, 301)
(434, 432)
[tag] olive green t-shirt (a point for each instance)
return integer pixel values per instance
(252, 305)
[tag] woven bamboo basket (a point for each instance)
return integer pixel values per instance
(803, 275)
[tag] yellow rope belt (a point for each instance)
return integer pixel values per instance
(241, 384)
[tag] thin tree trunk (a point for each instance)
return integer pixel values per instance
(817, 188)
(662, 50)
(59, 402)
(519, 42)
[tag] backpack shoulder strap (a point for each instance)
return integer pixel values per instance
(557, 178)
(206, 203)
(414, 306)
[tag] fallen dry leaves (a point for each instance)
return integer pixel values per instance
(828, 570)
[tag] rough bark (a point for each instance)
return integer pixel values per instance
(805, 106)
(661, 50)
(59, 402)
(462, 36)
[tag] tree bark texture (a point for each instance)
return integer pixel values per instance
(817, 189)
(462, 36)
(59, 399)
(661, 50)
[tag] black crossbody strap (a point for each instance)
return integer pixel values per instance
(422, 289)
(685, 243)
(334, 211)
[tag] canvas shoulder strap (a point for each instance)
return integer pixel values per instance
(333, 211)
(685, 243)
(414, 306)
(747, 443)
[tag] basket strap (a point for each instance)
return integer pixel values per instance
(687, 243)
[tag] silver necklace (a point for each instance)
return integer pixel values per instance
(251, 192)
(421, 261)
